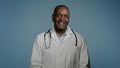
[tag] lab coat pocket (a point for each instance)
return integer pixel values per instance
(48, 58)
(47, 55)
(73, 65)
(73, 54)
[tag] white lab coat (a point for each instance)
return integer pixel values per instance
(60, 55)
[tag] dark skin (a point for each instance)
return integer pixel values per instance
(61, 20)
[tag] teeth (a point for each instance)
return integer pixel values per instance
(61, 23)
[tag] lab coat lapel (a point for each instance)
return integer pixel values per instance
(68, 35)
(53, 35)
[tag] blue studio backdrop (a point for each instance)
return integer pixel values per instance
(22, 20)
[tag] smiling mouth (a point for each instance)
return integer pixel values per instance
(61, 23)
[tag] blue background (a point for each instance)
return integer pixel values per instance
(22, 20)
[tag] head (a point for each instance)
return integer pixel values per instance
(61, 17)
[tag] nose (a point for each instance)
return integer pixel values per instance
(62, 18)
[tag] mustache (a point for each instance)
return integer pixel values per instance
(60, 23)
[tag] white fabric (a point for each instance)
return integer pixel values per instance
(62, 36)
(63, 55)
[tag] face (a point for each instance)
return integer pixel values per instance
(61, 18)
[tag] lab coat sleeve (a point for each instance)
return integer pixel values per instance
(36, 57)
(84, 57)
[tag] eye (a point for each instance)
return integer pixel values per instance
(66, 16)
(58, 15)
(62, 15)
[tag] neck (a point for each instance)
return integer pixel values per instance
(60, 31)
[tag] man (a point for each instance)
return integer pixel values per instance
(60, 47)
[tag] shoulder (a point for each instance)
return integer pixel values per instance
(79, 35)
(41, 34)
(81, 39)
(39, 39)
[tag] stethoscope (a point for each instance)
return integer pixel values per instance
(48, 32)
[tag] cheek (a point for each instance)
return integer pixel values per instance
(56, 19)
(67, 20)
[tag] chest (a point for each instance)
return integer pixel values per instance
(65, 51)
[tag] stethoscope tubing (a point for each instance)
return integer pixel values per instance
(48, 32)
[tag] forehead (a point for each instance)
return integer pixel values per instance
(62, 10)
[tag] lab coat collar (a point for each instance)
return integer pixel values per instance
(68, 34)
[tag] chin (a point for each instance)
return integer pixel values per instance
(62, 29)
